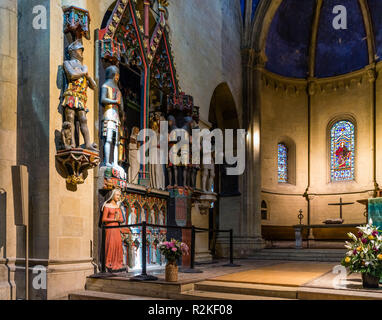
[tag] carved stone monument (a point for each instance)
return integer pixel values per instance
(74, 159)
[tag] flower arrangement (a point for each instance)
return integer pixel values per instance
(173, 250)
(364, 251)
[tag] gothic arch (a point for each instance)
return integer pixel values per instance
(223, 109)
(257, 33)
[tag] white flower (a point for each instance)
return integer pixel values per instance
(351, 235)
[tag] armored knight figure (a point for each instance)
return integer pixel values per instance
(111, 99)
(75, 96)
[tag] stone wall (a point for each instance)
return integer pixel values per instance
(8, 139)
(206, 44)
(285, 118)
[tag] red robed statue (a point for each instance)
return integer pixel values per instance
(112, 216)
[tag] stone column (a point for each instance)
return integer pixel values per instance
(247, 237)
(253, 63)
(8, 137)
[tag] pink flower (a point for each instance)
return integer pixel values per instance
(360, 234)
(354, 252)
(375, 233)
(174, 249)
(172, 245)
(364, 240)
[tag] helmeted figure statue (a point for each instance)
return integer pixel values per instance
(172, 169)
(111, 100)
(75, 96)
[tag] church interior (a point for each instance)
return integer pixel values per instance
(83, 211)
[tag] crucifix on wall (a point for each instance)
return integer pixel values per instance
(341, 204)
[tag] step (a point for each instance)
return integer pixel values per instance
(249, 289)
(300, 255)
(329, 254)
(320, 251)
(298, 259)
(305, 293)
(96, 295)
(208, 295)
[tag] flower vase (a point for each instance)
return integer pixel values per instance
(171, 272)
(369, 281)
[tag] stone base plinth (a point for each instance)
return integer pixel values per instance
(7, 282)
(242, 246)
(53, 283)
(203, 257)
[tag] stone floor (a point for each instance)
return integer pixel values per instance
(252, 280)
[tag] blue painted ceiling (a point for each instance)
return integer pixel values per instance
(337, 51)
(243, 5)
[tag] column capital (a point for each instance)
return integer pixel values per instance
(253, 59)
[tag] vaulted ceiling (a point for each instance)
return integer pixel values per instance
(303, 42)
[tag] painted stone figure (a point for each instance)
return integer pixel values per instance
(161, 218)
(134, 157)
(194, 168)
(152, 217)
(112, 216)
(75, 96)
(133, 216)
(66, 135)
(208, 175)
(172, 170)
(157, 178)
(123, 143)
(185, 152)
(111, 99)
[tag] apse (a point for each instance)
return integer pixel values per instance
(296, 40)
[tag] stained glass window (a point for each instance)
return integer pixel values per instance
(283, 163)
(342, 151)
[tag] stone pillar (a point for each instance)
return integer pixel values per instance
(253, 63)
(8, 136)
(247, 236)
(61, 217)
